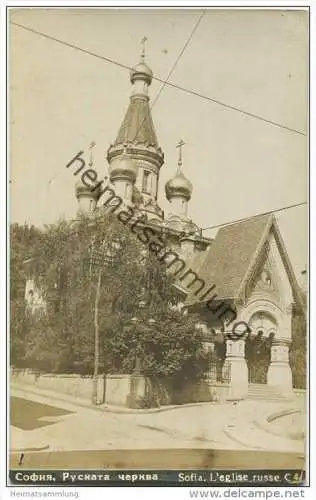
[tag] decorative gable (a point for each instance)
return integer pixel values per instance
(269, 278)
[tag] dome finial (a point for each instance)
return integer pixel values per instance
(180, 145)
(141, 71)
(142, 53)
(91, 156)
(179, 185)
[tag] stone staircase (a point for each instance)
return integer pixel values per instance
(265, 392)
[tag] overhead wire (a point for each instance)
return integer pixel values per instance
(228, 223)
(164, 82)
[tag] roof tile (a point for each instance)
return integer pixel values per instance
(229, 256)
(137, 126)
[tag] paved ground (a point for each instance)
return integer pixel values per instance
(63, 434)
(158, 459)
(28, 415)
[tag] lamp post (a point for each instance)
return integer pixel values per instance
(96, 340)
(101, 260)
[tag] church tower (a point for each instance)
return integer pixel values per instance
(137, 140)
(86, 195)
(179, 189)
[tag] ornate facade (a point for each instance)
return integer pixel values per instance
(246, 262)
(245, 267)
(134, 163)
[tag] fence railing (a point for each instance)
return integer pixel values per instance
(218, 371)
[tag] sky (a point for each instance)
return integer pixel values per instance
(62, 99)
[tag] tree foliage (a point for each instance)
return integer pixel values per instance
(24, 240)
(298, 351)
(70, 258)
(169, 347)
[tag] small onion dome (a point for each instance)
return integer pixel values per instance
(82, 190)
(141, 72)
(123, 168)
(179, 185)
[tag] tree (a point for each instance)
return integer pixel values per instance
(298, 351)
(93, 274)
(168, 347)
(24, 239)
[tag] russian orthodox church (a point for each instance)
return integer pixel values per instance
(245, 269)
(135, 160)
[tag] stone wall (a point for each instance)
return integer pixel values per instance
(74, 385)
(117, 390)
(202, 391)
(130, 391)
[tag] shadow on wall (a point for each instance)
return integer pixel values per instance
(153, 393)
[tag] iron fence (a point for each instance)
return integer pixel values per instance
(218, 371)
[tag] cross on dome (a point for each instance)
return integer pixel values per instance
(142, 42)
(180, 145)
(179, 185)
(91, 146)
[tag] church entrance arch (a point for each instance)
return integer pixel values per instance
(258, 346)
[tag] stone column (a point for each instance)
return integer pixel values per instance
(280, 373)
(235, 362)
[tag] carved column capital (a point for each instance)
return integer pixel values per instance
(235, 348)
(280, 352)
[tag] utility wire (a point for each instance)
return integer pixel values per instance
(165, 82)
(179, 56)
(257, 215)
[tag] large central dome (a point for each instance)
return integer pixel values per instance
(137, 129)
(141, 72)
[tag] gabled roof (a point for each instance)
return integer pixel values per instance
(234, 252)
(137, 126)
(229, 256)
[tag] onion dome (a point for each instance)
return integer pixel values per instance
(179, 185)
(88, 190)
(141, 71)
(137, 128)
(123, 168)
(82, 189)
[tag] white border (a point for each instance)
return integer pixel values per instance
(154, 493)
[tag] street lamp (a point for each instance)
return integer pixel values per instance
(101, 259)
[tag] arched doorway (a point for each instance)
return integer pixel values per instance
(258, 346)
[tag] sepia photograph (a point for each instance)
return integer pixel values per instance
(158, 234)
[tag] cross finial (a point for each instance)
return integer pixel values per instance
(142, 42)
(91, 157)
(180, 145)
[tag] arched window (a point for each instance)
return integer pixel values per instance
(146, 183)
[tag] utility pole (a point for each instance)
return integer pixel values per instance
(101, 262)
(96, 340)
(103, 258)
